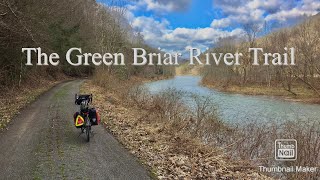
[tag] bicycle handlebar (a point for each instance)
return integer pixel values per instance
(82, 97)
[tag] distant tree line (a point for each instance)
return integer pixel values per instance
(56, 26)
(305, 38)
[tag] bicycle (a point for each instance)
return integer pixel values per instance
(83, 101)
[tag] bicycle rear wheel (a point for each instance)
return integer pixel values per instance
(88, 133)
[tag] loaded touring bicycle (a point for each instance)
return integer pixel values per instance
(86, 117)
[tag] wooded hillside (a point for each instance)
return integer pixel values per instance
(56, 26)
(304, 37)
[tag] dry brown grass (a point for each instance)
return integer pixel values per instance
(255, 141)
(14, 99)
(166, 135)
(177, 142)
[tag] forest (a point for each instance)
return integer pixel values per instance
(304, 72)
(56, 26)
(176, 133)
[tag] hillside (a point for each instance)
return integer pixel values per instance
(297, 81)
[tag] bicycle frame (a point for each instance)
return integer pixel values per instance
(84, 100)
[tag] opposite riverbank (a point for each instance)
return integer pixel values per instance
(304, 94)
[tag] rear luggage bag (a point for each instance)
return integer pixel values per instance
(78, 120)
(94, 116)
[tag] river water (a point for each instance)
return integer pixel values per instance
(237, 108)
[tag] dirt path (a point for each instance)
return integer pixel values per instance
(42, 143)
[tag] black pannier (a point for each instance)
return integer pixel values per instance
(94, 116)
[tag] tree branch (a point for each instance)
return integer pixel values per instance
(20, 21)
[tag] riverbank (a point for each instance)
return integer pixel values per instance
(304, 95)
(244, 126)
(164, 146)
(187, 69)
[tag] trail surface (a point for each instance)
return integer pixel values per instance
(42, 143)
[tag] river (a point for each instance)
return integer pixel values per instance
(237, 108)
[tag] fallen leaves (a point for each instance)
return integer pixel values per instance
(14, 100)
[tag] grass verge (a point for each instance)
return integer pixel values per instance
(13, 100)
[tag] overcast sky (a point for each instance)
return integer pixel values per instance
(175, 25)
